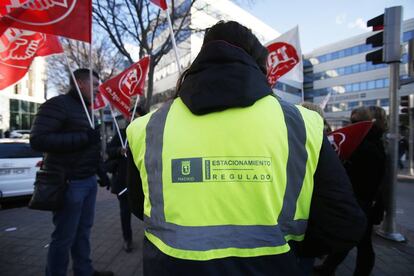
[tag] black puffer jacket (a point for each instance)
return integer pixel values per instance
(60, 130)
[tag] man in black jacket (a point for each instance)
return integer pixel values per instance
(61, 130)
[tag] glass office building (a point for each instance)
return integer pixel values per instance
(341, 70)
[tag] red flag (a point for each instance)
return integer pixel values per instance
(98, 102)
(121, 88)
(18, 48)
(345, 140)
(160, 3)
(68, 18)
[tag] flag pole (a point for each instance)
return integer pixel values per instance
(116, 125)
(173, 41)
(91, 81)
(77, 89)
(132, 118)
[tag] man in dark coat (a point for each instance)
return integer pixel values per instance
(61, 130)
(365, 169)
(117, 165)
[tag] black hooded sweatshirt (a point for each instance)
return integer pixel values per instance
(224, 76)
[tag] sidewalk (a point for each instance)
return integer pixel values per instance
(23, 249)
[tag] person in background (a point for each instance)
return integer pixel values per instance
(365, 169)
(318, 109)
(117, 165)
(61, 130)
(226, 174)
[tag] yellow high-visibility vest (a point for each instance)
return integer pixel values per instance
(231, 183)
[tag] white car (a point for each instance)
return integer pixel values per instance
(18, 166)
(20, 133)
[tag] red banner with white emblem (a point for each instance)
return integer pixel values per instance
(345, 140)
(285, 59)
(68, 18)
(18, 48)
(119, 90)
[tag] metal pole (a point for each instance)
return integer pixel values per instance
(388, 228)
(103, 133)
(411, 136)
(79, 93)
(173, 42)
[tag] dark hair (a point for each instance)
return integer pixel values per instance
(369, 113)
(360, 114)
(240, 36)
(81, 74)
(380, 116)
(237, 35)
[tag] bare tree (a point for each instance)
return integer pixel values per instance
(142, 24)
(107, 61)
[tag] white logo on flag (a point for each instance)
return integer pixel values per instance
(36, 5)
(130, 80)
(337, 139)
(16, 44)
(49, 6)
(285, 60)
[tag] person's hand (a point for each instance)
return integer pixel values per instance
(94, 136)
(123, 151)
(103, 181)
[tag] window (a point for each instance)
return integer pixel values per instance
(348, 88)
(379, 83)
(386, 82)
(341, 71)
(408, 35)
(355, 86)
(363, 85)
(348, 70)
(363, 67)
(384, 102)
(371, 85)
(352, 105)
(355, 68)
(354, 50)
(369, 103)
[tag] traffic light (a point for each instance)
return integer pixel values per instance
(389, 36)
(405, 104)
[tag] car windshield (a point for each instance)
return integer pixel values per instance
(17, 150)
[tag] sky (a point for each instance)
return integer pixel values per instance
(322, 22)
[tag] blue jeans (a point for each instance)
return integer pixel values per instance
(72, 230)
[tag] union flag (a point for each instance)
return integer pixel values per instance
(67, 18)
(18, 48)
(119, 90)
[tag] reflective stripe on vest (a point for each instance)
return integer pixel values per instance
(296, 168)
(208, 242)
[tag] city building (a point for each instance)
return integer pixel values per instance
(19, 103)
(204, 14)
(340, 70)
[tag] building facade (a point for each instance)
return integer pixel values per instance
(340, 70)
(19, 103)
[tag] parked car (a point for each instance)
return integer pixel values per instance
(20, 133)
(18, 166)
